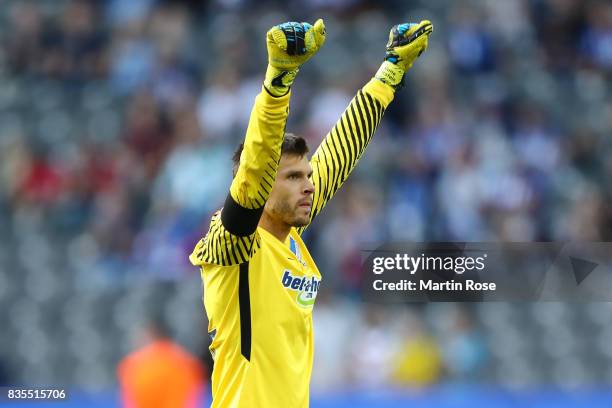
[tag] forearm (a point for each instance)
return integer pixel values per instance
(354, 130)
(343, 146)
(261, 153)
(357, 125)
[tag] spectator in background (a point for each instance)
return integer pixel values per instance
(371, 353)
(464, 352)
(417, 361)
(161, 373)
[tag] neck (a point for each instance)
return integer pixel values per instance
(279, 229)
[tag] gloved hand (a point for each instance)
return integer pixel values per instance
(289, 46)
(406, 43)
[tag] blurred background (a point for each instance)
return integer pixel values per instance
(117, 124)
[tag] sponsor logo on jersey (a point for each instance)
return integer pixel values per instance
(306, 287)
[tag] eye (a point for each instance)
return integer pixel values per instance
(293, 177)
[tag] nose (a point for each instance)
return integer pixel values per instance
(308, 188)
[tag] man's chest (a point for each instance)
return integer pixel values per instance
(284, 277)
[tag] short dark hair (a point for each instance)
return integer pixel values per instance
(292, 145)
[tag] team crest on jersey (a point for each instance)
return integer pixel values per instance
(294, 247)
(306, 287)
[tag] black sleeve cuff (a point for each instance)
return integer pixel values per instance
(238, 220)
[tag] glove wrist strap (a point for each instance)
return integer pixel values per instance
(390, 74)
(278, 82)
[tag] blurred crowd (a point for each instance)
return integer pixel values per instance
(118, 120)
(378, 346)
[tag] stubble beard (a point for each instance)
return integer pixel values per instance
(290, 215)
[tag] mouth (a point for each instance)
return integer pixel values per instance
(305, 204)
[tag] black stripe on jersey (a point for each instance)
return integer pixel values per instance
(374, 107)
(337, 178)
(359, 131)
(214, 242)
(265, 184)
(236, 249)
(241, 249)
(244, 302)
(351, 130)
(263, 199)
(369, 109)
(349, 148)
(330, 164)
(370, 102)
(379, 108)
(327, 190)
(229, 250)
(348, 133)
(317, 195)
(272, 168)
(253, 245)
(238, 220)
(218, 247)
(343, 151)
(335, 150)
(271, 175)
(364, 119)
(364, 130)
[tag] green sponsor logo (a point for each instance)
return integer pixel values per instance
(306, 298)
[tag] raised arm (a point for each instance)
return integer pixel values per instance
(232, 238)
(343, 146)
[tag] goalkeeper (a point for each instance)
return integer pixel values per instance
(260, 282)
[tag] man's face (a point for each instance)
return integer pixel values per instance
(290, 200)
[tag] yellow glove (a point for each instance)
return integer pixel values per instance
(289, 46)
(406, 43)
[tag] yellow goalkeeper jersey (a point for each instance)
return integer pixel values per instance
(259, 292)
